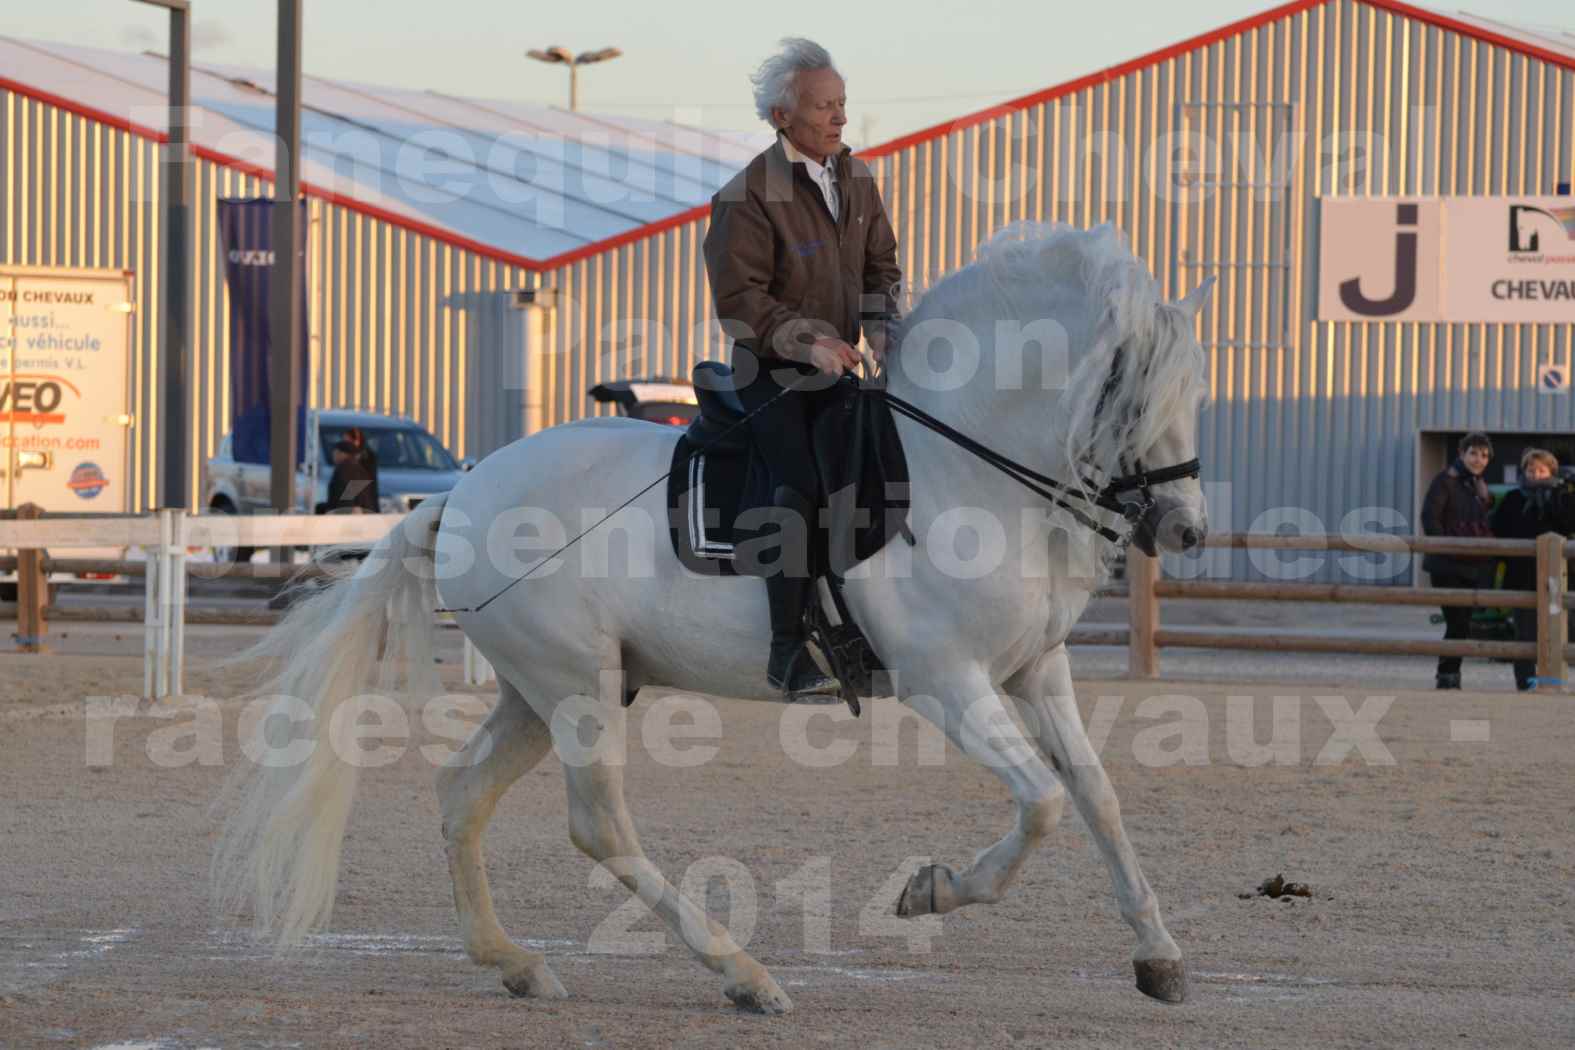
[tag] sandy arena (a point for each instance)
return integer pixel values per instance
(1441, 912)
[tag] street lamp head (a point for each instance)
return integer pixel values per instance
(603, 55)
(551, 54)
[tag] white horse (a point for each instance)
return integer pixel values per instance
(1124, 388)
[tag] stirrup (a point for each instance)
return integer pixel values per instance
(802, 677)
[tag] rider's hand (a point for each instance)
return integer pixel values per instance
(833, 357)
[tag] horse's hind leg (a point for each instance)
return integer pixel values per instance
(1045, 692)
(504, 748)
(600, 827)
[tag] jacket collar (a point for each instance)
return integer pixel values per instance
(780, 164)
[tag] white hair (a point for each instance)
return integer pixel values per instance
(775, 81)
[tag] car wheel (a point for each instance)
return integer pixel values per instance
(230, 554)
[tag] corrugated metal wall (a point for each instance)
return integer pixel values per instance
(1339, 99)
(400, 322)
(1322, 418)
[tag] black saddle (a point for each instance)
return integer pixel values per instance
(720, 497)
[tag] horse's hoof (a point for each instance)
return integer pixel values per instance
(761, 996)
(919, 895)
(537, 983)
(1163, 979)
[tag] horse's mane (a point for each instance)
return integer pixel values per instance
(1091, 283)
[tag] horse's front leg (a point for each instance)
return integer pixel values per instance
(968, 709)
(1044, 693)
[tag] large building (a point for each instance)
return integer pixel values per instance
(1235, 153)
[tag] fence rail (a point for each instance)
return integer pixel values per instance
(1551, 651)
(165, 537)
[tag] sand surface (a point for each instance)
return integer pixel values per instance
(1441, 913)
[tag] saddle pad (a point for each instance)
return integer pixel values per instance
(705, 495)
(864, 480)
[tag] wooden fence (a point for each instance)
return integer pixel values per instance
(165, 537)
(1145, 588)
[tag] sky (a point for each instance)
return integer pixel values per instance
(689, 60)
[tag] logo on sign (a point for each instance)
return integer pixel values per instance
(1404, 293)
(1552, 379)
(1526, 229)
(34, 399)
(87, 480)
(251, 257)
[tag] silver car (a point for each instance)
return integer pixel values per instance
(411, 465)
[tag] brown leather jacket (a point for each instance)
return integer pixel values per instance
(783, 273)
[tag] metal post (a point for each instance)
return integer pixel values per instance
(574, 87)
(284, 315)
(175, 421)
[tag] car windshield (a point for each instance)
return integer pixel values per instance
(404, 448)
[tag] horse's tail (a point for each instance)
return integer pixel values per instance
(290, 798)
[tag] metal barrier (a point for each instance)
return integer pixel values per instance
(165, 537)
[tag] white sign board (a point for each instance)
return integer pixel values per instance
(65, 341)
(1461, 259)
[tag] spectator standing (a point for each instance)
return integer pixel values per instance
(1540, 504)
(1457, 504)
(353, 487)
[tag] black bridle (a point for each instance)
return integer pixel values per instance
(1116, 495)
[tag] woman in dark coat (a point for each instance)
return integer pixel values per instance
(353, 487)
(1541, 504)
(1457, 505)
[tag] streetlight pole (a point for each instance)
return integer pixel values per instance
(562, 56)
(174, 424)
(285, 305)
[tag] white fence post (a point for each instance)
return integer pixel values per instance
(478, 671)
(177, 580)
(150, 622)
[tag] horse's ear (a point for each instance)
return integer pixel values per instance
(1193, 301)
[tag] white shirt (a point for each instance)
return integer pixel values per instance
(824, 175)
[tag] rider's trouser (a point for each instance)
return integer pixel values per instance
(781, 433)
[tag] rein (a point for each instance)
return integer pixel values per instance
(1106, 498)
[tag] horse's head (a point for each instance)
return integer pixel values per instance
(1165, 429)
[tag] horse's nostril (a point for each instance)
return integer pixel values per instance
(1190, 538)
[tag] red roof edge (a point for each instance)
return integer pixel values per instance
(1244, 25)
(1487, 36)
(1153, 58)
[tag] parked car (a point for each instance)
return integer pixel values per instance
(411, 465)
(670, 401)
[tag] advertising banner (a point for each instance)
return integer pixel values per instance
(246, 230)
(65, 347)
(1504, 260)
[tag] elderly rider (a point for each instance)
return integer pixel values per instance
(802, 259)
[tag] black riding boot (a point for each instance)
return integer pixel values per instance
(791, 668)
